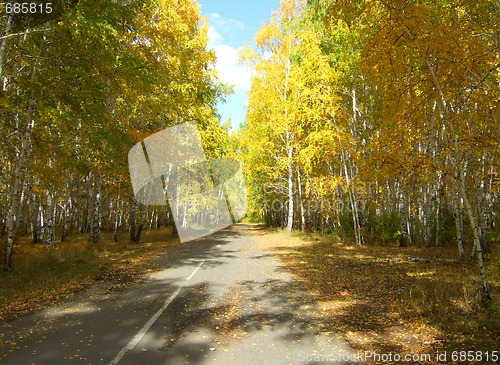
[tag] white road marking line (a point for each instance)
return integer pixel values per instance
(194, 272)
(135, 340)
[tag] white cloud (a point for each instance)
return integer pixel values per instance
(225, 24)
(220, 26)
(229, 70)
(214, 36)
(221, 32)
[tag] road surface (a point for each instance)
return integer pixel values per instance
(222, 299)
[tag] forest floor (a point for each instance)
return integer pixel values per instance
(40, 279)
(383, 302)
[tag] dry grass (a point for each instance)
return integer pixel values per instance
(383, 302)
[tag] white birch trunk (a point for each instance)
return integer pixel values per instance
(476, 233)
(403, 240)
(438, 209)
(459, 224)
(133, 210)
(49, 216)
(301, 201)
(95, 214)
(4, 44)
(117, 219)
(290, 190)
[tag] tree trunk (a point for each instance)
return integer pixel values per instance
(4, 44)
(481, 204)
(353, 202)
(301, 201)
(403, 240)
(41, 234)
(33, 214)
(459, 224)
(173, 203)
(64, 223)
(141, 224)
(290, 190)
(426, 220)
(133, 210)
(49, 216)
(117, 220)
(438, 209)
(65, 212)
(95, 215)
(485, 293)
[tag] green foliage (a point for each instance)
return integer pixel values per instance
(385, 227)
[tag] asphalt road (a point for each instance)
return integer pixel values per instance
(222, 299)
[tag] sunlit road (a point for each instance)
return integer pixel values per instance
(221, 299)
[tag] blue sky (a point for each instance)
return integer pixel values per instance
(232, 24)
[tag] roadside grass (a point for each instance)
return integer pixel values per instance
(41, 278)
(381, 301)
